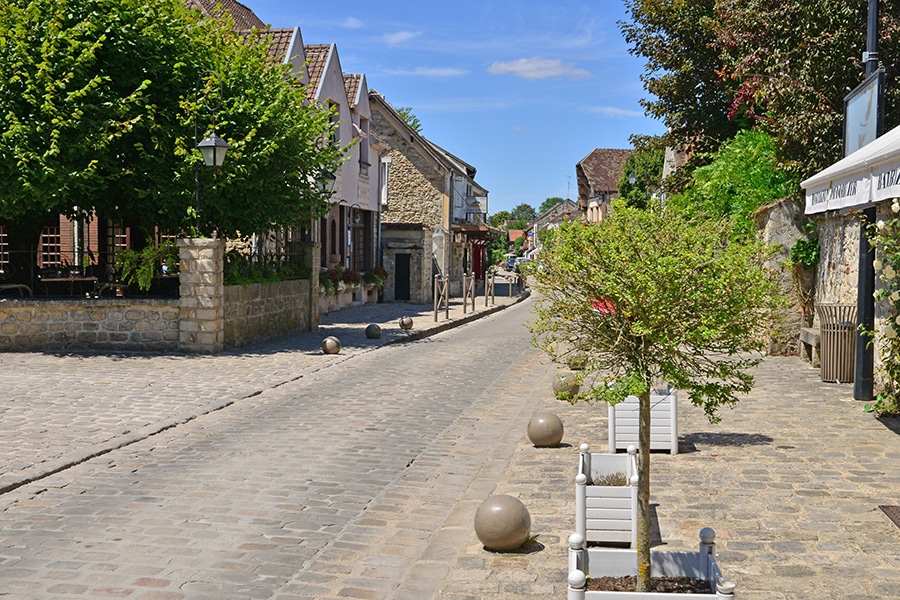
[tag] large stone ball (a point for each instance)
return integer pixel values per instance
(406, 323)
(545, 430)
(331, 345)
(565, 385)
(502, 523)
(373, 331)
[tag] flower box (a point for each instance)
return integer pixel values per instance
(624, 422)
(606, 513)
(605, 562)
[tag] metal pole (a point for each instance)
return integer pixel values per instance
(863, 381)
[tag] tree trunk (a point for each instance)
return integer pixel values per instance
(643, 525)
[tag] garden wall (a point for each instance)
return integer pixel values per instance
(116, 324)
(206, 318)
(258, 311)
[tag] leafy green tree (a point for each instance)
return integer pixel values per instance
(682, 72)
(499, 219)
(647, 166)
(794, 63)
(548, 204)
(689, 306)
(743, 176)
(280, 147)
(97, 105)
(523, 212)
(411, 119)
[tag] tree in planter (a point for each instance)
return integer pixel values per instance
(649, 297)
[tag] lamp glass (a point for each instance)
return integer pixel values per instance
(213, 149)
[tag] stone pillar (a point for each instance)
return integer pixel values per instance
(313, 257)
(202, 306)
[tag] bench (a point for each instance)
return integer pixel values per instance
(809, 345)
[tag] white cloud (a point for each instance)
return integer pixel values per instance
(392, 39)
(538, 68)
(429, 72)
(352, 23)
(612, 111)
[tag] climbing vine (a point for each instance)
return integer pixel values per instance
(884, 235)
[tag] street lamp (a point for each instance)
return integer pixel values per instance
(212, 147)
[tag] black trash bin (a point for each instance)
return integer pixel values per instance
(837, 342)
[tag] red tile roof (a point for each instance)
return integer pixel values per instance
(351, 84)
(316, 58)
(599, 172)
(243, 17)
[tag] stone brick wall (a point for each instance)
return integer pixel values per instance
(838, 259)
(415, 192)
(781, 224)
(202, 320)
(257, 312)
(116, 324)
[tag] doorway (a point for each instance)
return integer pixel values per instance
(401, 277)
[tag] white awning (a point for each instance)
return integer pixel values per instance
(869, 175)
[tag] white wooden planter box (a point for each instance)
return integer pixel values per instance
(606, 513)
(624, 422)
(603, 562)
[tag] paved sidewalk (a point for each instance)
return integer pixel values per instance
(790, 480)
(60, 409)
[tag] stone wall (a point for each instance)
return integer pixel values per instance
(258, 312)
(415, 192)
(110, 324)
(781, 224)
(204, 319)
(838, 271)
(417, 242)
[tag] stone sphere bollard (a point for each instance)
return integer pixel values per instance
(545, 430)
(406, 323)
(373, 331)
(565, 385)
(331, 345)
(502, 523)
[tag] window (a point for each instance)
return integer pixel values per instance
(50, 253)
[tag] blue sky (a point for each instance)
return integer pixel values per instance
(521, 90)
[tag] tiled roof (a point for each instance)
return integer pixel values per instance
(316, 58)
(602, 170)
(281, 43)
(351, 84)
(243, 17)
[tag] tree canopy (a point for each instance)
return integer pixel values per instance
(548, 204)
(743, 176)
(647, 166)
(97, 105)
(678, 41)
(714, 68)
(523, 212)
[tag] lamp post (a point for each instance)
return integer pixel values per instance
(212, 147)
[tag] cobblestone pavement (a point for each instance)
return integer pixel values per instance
(790, 479)
(59, 409)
